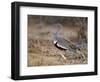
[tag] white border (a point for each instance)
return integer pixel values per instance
(24, 70)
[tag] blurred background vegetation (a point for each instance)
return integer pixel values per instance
(59, 19)
(81, 22)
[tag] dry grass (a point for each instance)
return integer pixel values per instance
(44, 53)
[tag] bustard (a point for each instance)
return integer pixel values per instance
(61, 42)
(64, 44)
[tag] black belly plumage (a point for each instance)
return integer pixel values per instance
(59, 47)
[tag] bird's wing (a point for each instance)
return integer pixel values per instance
(72, 46)
(66, 44)
(63, 42)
